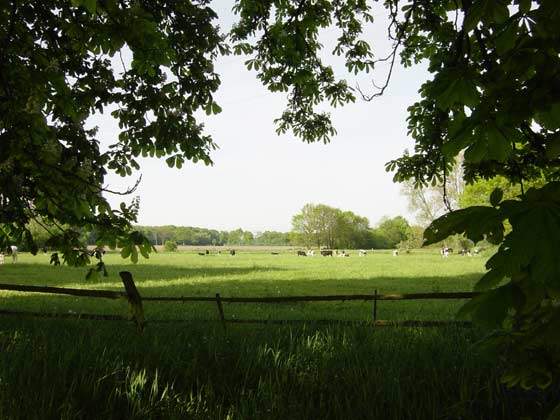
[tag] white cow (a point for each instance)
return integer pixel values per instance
(13, 251)
(395, 252)
(363, 252)
(310, 253)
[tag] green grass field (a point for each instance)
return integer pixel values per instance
(194, 369)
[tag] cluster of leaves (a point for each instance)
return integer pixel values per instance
(494, 94)
(521, 299)
(62, 61)
(319, 225)
(286, 56)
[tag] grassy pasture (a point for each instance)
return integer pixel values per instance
(92, 369)
(259, 274)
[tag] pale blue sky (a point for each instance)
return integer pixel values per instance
(259, 179)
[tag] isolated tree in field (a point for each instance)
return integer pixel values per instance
(324, 226)
(315, 225)
(393, 230)
(170, 246)
(352, 230)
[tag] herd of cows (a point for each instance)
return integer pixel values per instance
(444, 252)
(329, 253)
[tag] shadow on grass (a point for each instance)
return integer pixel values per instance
(33, 274)
(93, 370)
(335, 310)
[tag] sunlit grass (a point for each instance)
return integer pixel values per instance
(196, 370)
(259, 274)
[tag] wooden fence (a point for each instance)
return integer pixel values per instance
(136, 311)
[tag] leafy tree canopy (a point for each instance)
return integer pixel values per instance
(319, 225)
(61, 61)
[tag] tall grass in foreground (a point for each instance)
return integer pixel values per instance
(72, 369)
(194, 370)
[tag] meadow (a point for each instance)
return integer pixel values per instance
(52, 368)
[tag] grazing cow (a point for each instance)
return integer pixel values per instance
(444, 251)
(12, 250)
(274, 253)
(310, 253)
(363, 252)
(326, 253)
(343, 254)
(207, 252)
(202, 254)
(395, 252)
(476, 251)
(232, 252)
(301, 254)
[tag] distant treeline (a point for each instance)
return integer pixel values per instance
(390, 234)
(187, 235)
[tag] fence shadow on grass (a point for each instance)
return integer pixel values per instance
(33, 274)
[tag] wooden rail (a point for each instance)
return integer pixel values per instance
(327, 298)
(137, 312)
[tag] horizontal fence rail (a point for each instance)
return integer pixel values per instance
(280, 299)
(137, 312)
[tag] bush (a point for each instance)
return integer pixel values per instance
(170, 246)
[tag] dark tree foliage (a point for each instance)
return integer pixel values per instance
(61, 61)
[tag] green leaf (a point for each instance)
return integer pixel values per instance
(496, 197)
(90, 5)
(499, 147)
(490, 280)
(490, 309)
(126, 251)
(553, 147)
(550, 118)
(475, 222)
(507, 39)
(216, 109)
(134, 255)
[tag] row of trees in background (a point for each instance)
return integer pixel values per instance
(316, 226)
(186, 235)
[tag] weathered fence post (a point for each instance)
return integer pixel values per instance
(221, 310)
(375, 307)
(134, 300)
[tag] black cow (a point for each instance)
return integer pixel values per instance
(232, 252)
(301, 254)
(274, 253)
(326, 253)
(202, 254)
